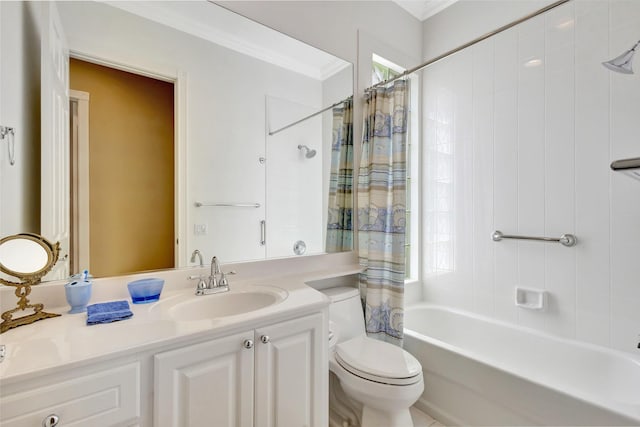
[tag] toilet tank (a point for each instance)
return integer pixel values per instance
(345, 312)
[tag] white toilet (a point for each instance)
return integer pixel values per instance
(383, 378)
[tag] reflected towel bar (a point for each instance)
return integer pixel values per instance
(235, 205)
(630, 167)
(566, 239)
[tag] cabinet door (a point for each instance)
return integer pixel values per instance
(207, 384)
(292, 374)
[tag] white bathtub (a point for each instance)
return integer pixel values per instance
(479, 371)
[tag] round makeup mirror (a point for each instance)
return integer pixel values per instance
(27, 257)
(23, 255)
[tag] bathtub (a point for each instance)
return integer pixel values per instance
(478, 371)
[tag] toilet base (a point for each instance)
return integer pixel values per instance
(374, 418)
(343, 411)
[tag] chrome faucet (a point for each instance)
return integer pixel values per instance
(199, 255)
(217, 281)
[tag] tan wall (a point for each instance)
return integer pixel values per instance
(131, 161)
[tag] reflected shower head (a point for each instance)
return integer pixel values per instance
(309, 152)
(623, 63)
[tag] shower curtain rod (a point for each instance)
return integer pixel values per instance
(311, 115)
(471, 43)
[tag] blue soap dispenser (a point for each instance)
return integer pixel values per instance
(78, 292)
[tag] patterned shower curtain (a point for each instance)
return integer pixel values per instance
(339, 226)
(382, 210)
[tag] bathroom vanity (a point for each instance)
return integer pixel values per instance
(177, 362)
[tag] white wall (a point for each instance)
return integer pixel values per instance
(526, 150)
(20, 109)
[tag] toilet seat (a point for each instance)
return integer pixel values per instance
(378, 361)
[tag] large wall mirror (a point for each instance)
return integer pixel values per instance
(171, 145)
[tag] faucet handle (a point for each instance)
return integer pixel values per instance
(223, 280)
(202, 284)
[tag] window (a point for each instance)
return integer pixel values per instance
(381, 70)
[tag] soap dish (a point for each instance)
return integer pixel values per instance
(532, 299)
(145, 290)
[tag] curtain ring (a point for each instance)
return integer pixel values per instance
(11, 142)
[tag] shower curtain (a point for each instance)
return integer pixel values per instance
(382, 210)
(339, 225)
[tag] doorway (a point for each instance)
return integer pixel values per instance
(123, 171)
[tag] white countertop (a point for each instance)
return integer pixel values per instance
(64, 341)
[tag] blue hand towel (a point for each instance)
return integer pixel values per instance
(108, 312)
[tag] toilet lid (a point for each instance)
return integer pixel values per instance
(378, 361)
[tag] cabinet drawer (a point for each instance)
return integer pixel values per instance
(107, 398)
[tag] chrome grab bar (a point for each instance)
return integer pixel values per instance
(237, 205)
(566, 239)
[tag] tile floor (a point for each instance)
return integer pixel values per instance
(420, 419)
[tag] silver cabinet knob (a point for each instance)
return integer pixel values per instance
(50, 421)
(265, 339)
(248, 344)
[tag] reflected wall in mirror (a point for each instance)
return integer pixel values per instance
(233, 81)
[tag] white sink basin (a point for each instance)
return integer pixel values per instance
(231, 303)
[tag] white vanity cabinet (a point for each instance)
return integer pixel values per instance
(266, 377)
(105, 397)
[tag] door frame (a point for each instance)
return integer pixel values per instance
(79, 140)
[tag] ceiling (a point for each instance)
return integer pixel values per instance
(423, 9)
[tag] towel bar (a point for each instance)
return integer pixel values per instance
(237, 205)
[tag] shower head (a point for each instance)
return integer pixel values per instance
(309, 152)
(623, 63)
